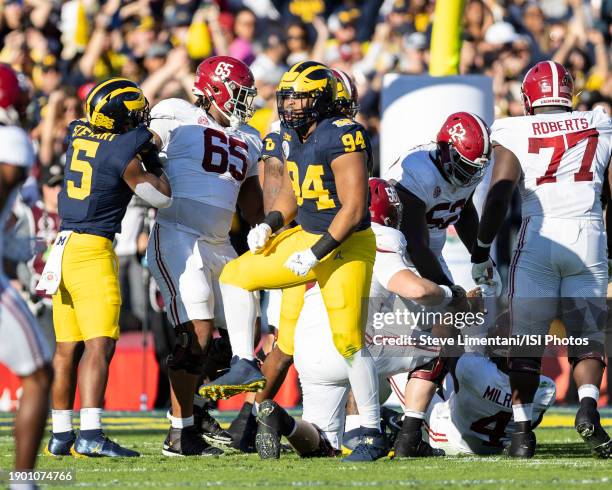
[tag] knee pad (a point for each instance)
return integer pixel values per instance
(433, 371)
(187, 354)
(594, 350)
(527, 365)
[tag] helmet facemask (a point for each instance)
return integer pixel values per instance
(459, 170)
(240, 107)
(300, 117)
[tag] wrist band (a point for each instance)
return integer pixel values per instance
(447, 291)
(482, 244)
(274, 219)
(324, 245)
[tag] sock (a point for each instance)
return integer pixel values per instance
(352, 422)
(240, 314)
(198, 401)
(364, 383)
(412, 420)
(91, 419)
(255, 409)
(522, 416)
(588, 391)
(61, 421)
(179, 423)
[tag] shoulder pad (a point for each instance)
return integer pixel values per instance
(172, 109)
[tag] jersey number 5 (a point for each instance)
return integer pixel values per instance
(83, 167)
(312, 187)
(560, 144)
(222, 163)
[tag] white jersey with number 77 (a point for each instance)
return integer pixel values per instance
(563, 158)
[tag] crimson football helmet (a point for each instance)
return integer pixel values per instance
(228, 84)
(464, 147)
(346, 94)
(547, 83)
(385, 204)
(11, 95)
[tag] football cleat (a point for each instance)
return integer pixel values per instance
(522, 445)
(350, 440)
(243, 376)
(100, 446)
(372, 446)
(59, 447)
(588, 425)
(209, 428)
(243, 429)
(411, 445)
(269, 423)
(187, 442)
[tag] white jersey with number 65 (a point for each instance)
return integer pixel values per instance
(206, 165)
(563, 157)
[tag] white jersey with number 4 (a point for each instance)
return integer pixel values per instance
(206, 164)
(563, 158)
(417, 173)
(476, 417)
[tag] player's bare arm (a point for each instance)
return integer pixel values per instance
(272, 182)
(351, 178)
(250, 201)
(153, 189)
(467, 224)
(10, 177)
(414, 228)
(506, 174)
(407, 284)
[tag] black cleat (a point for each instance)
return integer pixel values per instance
(209, 428)
(242, 430)
(187, 442)
(522, 445)
(267, 440)
(588, 425)
(411, 445)
(58, 447)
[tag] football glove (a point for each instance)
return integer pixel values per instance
(485, 273)
(300, 263)
(258, 237)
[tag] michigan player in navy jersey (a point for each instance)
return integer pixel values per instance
(325, 188)
(111, 155)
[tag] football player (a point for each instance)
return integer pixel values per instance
(23, 349)
(325, 187)
(558, 158)
(210, 155)
(111, 155)
(323, 374)
(435, 183)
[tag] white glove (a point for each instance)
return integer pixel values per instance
(300, 263)
(258, 237)
(485, 273)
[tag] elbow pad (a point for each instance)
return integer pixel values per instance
(151, 195)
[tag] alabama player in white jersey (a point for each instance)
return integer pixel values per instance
(435, 183)
(558, 158)
(211, 162)
(323, 372)
(23, 348)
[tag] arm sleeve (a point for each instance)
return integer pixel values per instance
(128, 145)
(272, 147)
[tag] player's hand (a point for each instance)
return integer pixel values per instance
(258, 237)
(485, 273)
(300, 263)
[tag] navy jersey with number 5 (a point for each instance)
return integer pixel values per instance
(312, 177)
(94, 197)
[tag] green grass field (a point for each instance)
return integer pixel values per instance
(561, 463)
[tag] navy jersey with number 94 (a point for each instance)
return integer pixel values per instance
(312, 177)
(94, 197)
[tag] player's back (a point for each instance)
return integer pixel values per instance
(206, 165)
(95, 196)
(563, 158)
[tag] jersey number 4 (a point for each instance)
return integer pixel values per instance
(81, 165)
(499, 421)
(218, 143)
(312, 186)
(560, 144)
